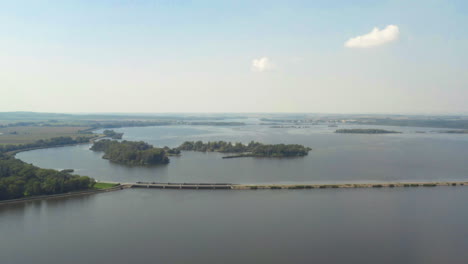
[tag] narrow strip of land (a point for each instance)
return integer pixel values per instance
(288, 186)
(232, 186)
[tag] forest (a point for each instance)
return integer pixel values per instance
(19, 179)
(253, 149)
(133, 153)
(112, 134)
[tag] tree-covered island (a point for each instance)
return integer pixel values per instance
(112, 134)
(365, 131)
(133, 153)
(253, 149)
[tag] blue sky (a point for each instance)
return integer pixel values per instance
(198, 56)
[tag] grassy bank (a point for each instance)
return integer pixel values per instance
(30, 134)
(104, 185)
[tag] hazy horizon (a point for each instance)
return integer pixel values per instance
(364, 57)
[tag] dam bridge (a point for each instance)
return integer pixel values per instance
(169, 185)
(234, 186)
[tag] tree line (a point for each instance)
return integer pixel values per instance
(133, 153)
(112, 134)
(19, 179)
(42, 143)
(251, 149)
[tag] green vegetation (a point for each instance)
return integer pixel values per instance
(297, 187)
(131, 153)
(52, 142)
(19, 179)
(365, 131)
(112, 134)
(30, 134)
(104, 185)
(253, 149)
(455, 131)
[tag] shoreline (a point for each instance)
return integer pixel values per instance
(231, 186)
(91, 140)
(62, 195)
(225, 186)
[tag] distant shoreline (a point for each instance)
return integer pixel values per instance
(365, 131)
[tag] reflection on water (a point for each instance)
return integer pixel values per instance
(389, 225)
(418, 225)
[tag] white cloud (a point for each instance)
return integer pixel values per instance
(375, 38)
(262, 64)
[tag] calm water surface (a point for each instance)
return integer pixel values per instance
(400, 225)
(420, 225)
(334, 158)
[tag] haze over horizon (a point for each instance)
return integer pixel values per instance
(391, 57)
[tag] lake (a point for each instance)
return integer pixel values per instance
(335, 157)
(398, 225)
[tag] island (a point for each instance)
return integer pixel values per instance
(455, 131)
(133, 153)
(112, 134)
(253, 149)
(366, 131)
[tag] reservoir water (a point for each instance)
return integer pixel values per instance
(399, 225)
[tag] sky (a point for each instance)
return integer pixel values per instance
(166, 56)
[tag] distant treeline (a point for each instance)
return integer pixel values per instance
(43, 143)
(439, 123)
(19, 179)
(133, 153)
(112, 134)
(442, 122)
(253, 149)
(455, 131)
(365, 131)
(93, 125)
